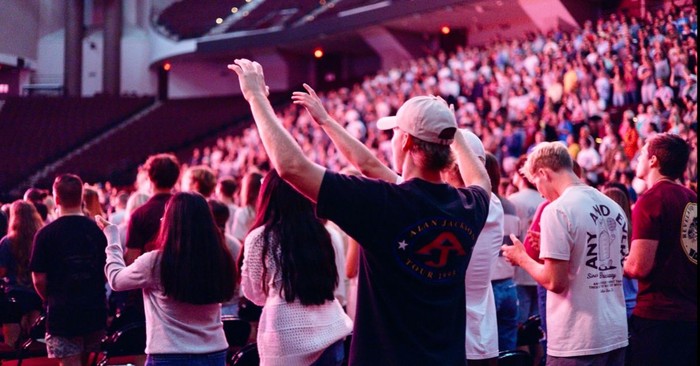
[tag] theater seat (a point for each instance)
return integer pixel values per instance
(246, 356)
(237, 333)
(530, 332)
(514, 358)
(128, 340)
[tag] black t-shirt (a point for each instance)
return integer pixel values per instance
(71, 252)
(416, 239)
(144, 223)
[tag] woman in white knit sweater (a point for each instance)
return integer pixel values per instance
(289, 269)
(183, 282)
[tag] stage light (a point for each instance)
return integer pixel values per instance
(318, 53)
(167, 66)
(445, 29)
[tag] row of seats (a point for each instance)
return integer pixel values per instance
(38, 130)
(129, 339)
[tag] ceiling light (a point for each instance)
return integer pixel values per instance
(219, 20)
(234, 10)
(318, 53)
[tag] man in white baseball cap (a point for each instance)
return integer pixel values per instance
(416, 237)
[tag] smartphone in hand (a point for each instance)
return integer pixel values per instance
(507, 240)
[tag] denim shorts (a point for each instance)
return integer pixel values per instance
(62, 347)
(187, 359)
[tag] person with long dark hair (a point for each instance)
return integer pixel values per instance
(15, 250)
(183, 282)
(289, 269)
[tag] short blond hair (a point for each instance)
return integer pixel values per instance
(552, 155)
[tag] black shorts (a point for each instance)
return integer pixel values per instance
(663, 342)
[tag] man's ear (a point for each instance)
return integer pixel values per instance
(546, 174)
(406, 142)
(653, 161)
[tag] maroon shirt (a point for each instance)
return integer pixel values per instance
(670, 291)
(144, 224)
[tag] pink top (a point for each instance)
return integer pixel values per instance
(535, 226)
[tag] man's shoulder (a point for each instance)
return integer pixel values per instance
(155, 203)
(68, 224)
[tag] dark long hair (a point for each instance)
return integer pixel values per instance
(297, 242)
(196, 267)
(24, 223)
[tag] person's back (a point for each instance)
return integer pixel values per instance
(70, 250)
(526, 200)
(411, 297)
(663, 258)
(482, 321)
(220, 212)
(245, 215)
(590, 231)
(289, 268)
(416, 236)
(504, 288)
(163, 172)
(183, 283)
(66, 264)
(583, 241)
(661, 294)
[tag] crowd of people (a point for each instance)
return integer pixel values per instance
(577, 150)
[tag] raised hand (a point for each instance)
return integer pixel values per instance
(312, 103)
(251, 77)
(111, 231)
(101, 222)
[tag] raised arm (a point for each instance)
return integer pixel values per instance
(121, 277)
(471, 168)
(285, 154)
(359, 155)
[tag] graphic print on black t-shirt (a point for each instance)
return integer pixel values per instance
(432, 250)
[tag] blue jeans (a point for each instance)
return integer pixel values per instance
(332, 356)
(542, 304)
(187, 359)
(506, 297)
(527, 297)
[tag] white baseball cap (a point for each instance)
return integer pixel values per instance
(428, 118)
(474, 143)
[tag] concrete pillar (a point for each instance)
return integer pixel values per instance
(73, 55)
(111, 57)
